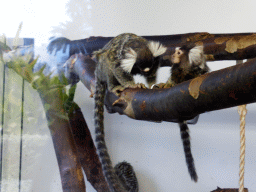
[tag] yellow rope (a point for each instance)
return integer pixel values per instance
(242, 112)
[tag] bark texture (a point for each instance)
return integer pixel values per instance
(221, 89)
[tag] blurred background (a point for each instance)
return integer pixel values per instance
(154, 149)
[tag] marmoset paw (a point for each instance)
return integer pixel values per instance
(118, 90)
(138, 85)
(158, 86)
(162, 85)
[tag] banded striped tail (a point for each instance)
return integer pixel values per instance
(184, 132)
(126, 180)
(104, 157)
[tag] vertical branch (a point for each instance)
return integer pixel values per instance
(86, 150)
(65, 149)
(52, 94)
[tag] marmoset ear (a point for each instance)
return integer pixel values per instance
(196, 56)
(156, 48)
(129, 61)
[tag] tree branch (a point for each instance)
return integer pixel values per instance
(72, 178)
(221, 89)
(53, 97)
(86, 150)
(235, 46)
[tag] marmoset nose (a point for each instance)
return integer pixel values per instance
(146, 69)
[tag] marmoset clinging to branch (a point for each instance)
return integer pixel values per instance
(124, 56)
(188, 63)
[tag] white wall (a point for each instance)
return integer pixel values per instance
(153, 149)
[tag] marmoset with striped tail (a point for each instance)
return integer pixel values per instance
(188, 62)
(124, 56)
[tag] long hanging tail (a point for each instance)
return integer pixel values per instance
(127, 176)
(108, 171)
(184, 132)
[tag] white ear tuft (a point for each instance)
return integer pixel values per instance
(156, 48)
(177, 48)
(129, 61)
(196, 56)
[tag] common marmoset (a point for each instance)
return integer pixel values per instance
(188, 63)
(117, 62)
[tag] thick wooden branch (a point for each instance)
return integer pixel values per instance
(229, 47)
(86, 150)
(88, 45)
(221, 89)
(72, 178)
(235, 46)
